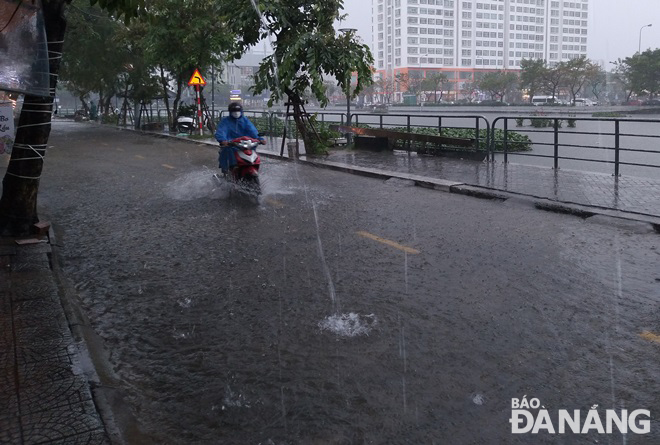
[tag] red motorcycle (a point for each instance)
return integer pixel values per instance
(245, 172)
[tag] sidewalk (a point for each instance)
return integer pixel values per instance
(45, 393)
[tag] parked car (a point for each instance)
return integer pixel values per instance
(652, 102)
(580, 102)
(635, 102)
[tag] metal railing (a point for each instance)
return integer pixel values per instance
(479, 124)
(604, 140)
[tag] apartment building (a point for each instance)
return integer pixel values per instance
(465, 37)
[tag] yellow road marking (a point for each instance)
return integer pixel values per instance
(168, 166)
(650, 336)
(388, 242)
(140, 157)
(275, 203)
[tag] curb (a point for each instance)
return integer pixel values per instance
(569, 208)
(105, 393)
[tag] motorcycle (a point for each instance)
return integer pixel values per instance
(245, 172)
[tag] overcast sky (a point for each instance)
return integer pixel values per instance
(614, 26)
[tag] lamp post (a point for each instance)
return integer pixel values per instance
(639, 49)
(348, 91)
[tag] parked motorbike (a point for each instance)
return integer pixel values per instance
(185, 124)
(245, 172)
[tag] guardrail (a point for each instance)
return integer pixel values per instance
(604, 140)
(611, 145)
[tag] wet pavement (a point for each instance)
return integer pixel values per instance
(45, 395)
(341, 309)
(625, 193)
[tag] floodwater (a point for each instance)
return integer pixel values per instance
(342, 309)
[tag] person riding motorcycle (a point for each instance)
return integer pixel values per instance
(234, 126)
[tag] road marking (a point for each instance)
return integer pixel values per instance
(275, 203)
(120, 149)
(168, 166)
(388, 242)
(140, 157)
(650, 336)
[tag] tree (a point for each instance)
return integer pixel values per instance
(436, 82)
(554, 77)
(532, 76)
(182, 37)
(411, 83)
(468, 90)
(597, 81)
(385, 88)
(95, 54)
(306, 48)
(577, 72)
(498, 84)
(623, 74)
(642, 72)
(20, 186)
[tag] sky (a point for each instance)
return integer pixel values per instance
(614, 26)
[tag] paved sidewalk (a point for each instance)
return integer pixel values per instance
(45, 394)
(625, 193)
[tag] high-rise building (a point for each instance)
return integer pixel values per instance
(464, 37)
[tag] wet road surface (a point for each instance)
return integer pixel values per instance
(342, 309)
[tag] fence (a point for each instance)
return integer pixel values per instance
(611, 143)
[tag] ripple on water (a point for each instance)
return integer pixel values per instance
(349, 325)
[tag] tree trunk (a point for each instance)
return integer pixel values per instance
(20, 186)
(175, 105)
(166, 98)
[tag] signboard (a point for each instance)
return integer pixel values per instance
(196, 79)
(6, 128)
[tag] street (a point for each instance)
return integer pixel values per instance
(342, 309)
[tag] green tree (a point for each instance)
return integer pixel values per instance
(20, 186)
(643, 72)
(182, 37)
(435, 82)
(385, 88)
(306, 48)
(498, 84)
(554, 78)
(410, 83)
(94, 54)
(532, 76)
(577, 73)
(597, 81)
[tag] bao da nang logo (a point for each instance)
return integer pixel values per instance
(530, 417)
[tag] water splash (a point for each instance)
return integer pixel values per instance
(196, 185)
(326, 269)
(349, 325)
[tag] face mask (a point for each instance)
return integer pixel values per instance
(235, 114)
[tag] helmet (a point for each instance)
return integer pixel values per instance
(235, 106)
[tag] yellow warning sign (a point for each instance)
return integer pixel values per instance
(197, 79)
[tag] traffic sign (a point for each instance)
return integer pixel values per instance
(196, 79)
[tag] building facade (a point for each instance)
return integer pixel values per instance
(462, 38)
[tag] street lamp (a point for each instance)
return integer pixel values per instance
(639, 49)
(348, 90)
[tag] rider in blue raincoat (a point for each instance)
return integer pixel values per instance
(231, 127)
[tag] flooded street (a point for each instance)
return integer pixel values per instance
(341, 309)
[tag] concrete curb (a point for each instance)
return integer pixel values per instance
(105, 392)
(580, 210)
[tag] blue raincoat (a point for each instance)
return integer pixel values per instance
(231, 128)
